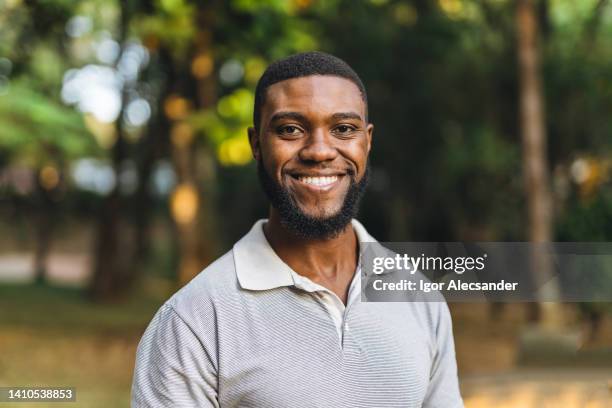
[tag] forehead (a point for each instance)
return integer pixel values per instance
(315, 93)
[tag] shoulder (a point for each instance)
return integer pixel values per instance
(432, 321)
(217, 282)
(437, 315)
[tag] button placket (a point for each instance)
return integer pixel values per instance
(336, 310)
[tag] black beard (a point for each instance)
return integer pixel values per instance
(304, 225)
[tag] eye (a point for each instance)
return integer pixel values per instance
(289, 130)
(344, 129)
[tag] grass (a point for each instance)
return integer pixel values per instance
(55, 337)
(45, 307)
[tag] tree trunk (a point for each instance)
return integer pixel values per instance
(42, 246)
(43, 229)
(148, 151)
(535, 166)
(195, 168)
(114, 246)
(109, 257)
(206, 170)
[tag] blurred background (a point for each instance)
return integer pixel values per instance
(125, 167)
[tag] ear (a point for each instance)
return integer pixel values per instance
(369, 133)
(254, 142)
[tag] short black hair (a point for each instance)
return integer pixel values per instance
(302, 65)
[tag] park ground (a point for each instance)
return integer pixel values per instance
(53, 336)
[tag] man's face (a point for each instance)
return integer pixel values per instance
(313, 142)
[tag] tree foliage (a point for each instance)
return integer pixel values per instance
(442, 84)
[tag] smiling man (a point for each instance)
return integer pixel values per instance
(278, 321)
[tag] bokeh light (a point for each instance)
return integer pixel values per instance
(49, 177)
(138, 112)
(235, 151)
(94, 89)
(184, 203)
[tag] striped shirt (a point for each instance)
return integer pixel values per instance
(335, 307)
(246, 333)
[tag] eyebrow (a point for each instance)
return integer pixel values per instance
(346, 115)
(301, 118)
(288, 115)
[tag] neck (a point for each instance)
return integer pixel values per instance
(322, 260)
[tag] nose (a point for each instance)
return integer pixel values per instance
(319, 148)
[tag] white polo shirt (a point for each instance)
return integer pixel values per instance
(250, 332)
(335, 306)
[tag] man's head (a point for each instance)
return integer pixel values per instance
(311, 141)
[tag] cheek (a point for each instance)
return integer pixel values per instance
(273, 158)
(276, 153)
(271, 166)
(357, 153)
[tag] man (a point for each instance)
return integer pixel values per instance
(277, 321)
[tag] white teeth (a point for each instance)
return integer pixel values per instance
(319, 181)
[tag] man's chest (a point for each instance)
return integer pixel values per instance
(294, 357)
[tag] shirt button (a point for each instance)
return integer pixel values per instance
(346, 327)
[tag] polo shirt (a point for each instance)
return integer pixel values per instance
(246, 332)
(334, 305)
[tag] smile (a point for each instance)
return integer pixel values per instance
(318, 181)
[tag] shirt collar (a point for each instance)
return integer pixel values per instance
(259, 268)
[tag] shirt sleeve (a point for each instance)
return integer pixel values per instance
(173, 368)
(443, 391)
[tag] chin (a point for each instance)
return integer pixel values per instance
(320, 209)
(320, 214)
